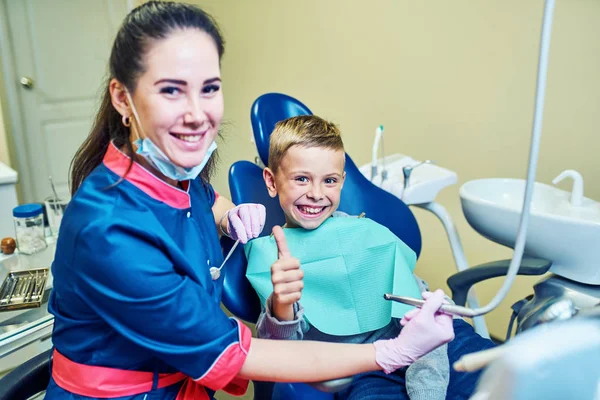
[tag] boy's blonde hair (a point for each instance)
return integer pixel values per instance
(305, 131)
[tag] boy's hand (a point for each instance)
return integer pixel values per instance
(286, 277)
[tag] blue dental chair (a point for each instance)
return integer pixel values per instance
(247, 186)
(358, 195)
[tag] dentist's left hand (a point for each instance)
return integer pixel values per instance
(246, 221)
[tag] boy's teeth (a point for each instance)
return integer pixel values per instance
(311, 210)
(189, 138)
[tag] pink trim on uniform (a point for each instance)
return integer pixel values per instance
(222, 374)
(146, 181)
(110, 383)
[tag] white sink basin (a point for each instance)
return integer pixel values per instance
(567, 235)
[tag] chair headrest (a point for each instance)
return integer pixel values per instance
(247, 185)
(266, 111)
(361, 195)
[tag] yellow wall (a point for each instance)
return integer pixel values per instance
(450, 81)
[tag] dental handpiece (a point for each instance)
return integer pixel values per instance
(445, 308)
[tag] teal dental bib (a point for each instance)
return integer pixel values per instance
(348, 264)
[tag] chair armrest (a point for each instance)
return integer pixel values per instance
(461, 282)
(305, 391)
(332, 386)
(28, 379)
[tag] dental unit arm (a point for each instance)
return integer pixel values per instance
(519, 247)
(550, 361)
(374, 166)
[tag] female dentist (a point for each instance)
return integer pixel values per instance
(137, 314)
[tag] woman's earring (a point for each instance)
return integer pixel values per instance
(126, 121)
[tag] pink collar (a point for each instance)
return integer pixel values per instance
(146, 181)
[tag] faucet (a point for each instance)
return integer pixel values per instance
(577, 191)
(407, 171)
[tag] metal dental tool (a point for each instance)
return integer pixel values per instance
(23, 289)
(407, 171)
(445, 308)
(215, 272)
(53, 191)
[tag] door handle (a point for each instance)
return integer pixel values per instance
(26, 82)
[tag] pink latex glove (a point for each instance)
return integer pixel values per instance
(246, 221)
(424, 330)
(412, 313)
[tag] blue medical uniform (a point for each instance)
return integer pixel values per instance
(132, 288)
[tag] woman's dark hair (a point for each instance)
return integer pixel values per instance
(153, 20)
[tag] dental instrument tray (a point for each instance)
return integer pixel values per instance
(23, 289)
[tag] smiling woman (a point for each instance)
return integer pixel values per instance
(136, 308)
(175, 85)
(179, 104)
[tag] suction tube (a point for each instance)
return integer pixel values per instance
(378, 138)
(533, 158)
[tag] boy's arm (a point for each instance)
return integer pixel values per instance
(286, 277)
(428, 377)
(269, 327)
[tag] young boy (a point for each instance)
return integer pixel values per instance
(306, 171)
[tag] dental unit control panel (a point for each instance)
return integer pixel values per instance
(413, 181)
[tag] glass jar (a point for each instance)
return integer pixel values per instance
(29, 228)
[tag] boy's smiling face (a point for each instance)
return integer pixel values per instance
(309, 182)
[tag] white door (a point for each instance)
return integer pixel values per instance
(57, 61)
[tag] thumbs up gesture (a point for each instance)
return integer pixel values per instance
(286, 277)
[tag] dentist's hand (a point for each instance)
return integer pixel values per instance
(286, 277)
(414, 312)
(246, 221)
(423, 331)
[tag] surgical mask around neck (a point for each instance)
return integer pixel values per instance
(159, 160)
